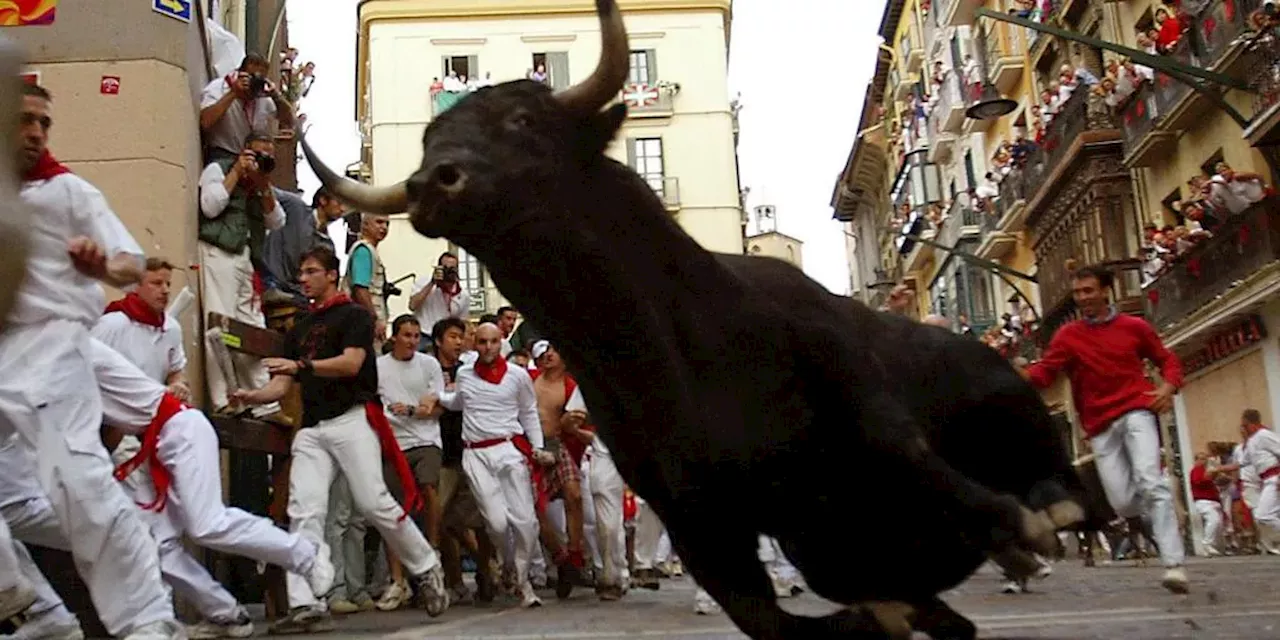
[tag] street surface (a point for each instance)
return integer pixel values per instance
(1232, 598)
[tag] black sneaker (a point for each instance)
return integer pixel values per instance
(303, 620)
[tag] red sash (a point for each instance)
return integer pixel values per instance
(391, 453)
(1269, 473)
(170, 406)
(629, 506)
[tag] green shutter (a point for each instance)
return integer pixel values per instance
(444, 63)
(473, 67)
(652, 56)
(558, 67)
(631, 153)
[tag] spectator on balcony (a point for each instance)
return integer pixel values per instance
(287, 58)
(1023, 8)
(436, 87)
(238, 106)
(238, 206)
(486, 81)
(539, 74)
(454, 84)
(303, 228)
(1238, 190)
(987, 191)
(1169, 30)
(1147, 44)
(301, 83)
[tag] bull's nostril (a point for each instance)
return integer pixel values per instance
(448, 175)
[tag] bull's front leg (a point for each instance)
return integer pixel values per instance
(898, 446)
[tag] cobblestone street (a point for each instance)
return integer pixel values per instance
(1232, 598)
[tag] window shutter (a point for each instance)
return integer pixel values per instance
(558, 65)
(444, 67)
(473, 67)
(631, 153)
(652, 56)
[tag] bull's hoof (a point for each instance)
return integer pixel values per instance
(1039, 532)
(1017, 564)
(892, 617)
(1065, 513)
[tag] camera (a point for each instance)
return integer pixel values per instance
(257, 85)
(448, 274)
(266, 163)
(389, 290)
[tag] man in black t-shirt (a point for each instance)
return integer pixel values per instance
(463, 524)
(329, 352)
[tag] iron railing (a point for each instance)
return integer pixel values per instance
(1083, 111)
(1245, 244)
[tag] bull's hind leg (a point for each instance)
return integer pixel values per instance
(941, 622)
(996, 521)
(725, 563)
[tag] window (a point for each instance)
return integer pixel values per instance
(645, 157)
(556, 65)
(644, 67)
(969, 174)
(466, 67)
(472, 274)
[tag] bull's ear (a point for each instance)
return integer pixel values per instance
(604, 126)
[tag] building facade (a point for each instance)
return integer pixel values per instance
(417, 56)
(1080, 185)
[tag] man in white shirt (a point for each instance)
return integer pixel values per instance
(237, 207)
(439, 296)
(1261, 452)
(507, 318)
(409, 383)
(48, 394)
(606, 487)
(240, 105)
(138, 327)
(502, 448)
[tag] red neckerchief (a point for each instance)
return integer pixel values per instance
(336, 300)
(170, 406)
(391, 453)
(46, 167)
(139, 311)
(449, 293)
(492, 373)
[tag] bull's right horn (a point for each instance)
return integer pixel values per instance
(588, 96)
(363, 197)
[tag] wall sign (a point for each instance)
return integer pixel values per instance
(1226, 343)
(30, 77)
(110, 85)
(25, 13)
(176, 9)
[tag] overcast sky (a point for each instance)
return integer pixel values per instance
(801, 67)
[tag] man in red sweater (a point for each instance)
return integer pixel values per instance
(1104, 354)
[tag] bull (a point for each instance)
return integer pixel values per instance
(739, 396)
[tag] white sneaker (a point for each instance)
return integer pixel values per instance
(394, 597)
(15, 600)
(704, 604)
(432, 595)
(1013, 586)
(1175, 580)
(529, 599)
(320, 577)
(54, 624)
(165, 630)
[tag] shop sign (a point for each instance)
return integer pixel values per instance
(1226, 343)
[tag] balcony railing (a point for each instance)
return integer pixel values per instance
(948, 113)
(1245, 244)
(1082, 112)
(1004, 49)
(444, 100)
(1263, 74)
(668, 190)
(1219, 25)
(1010, 194)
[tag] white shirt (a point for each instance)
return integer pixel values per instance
(129, 398)
(577, 403)
(234, 127)
(406, 381)
(1248, 475)
(492, 411)
(1262, 451)
(506, 347)
(438, 306)
(158, 353)
(64, 207)
(214, 197)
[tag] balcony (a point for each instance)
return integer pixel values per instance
(902, 84)
(942, 141)
(958, 12)
(1144, 143)
(1084, 121)
(962, 222)
(1012, 204)
(951, 105)
(1244, 246)
(445, 100)
(1218, 29)
(1005, 51)
(650, 101)
(668, 190)
(1264, 76)
(996, 242)
(910, 49)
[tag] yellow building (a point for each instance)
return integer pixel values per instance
(679, 134)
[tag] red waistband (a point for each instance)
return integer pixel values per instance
(485, 444)
(1269, 473)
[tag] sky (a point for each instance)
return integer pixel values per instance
(801, 68)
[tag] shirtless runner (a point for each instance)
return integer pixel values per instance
(553, 386)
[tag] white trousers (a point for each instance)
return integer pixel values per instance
(1128, 461)
(649, 530)
(10, 576)
(784, 574)
(49, 397)
(605, 488)
(188, 448)
(500, 481)
(347, 445)
(1267, 513)
(1210, 512)
(35, 519)
(226, 287)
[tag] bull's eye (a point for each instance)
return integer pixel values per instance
(520, 120)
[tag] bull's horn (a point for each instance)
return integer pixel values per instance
(363, 197)
(611, 72)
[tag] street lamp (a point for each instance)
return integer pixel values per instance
(990, 105)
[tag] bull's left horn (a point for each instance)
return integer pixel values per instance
(588, 96)
(366, 198)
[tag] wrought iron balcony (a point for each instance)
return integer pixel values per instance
(1241, 247)
(668, 190)
(1219, 27)
(1004, 50)
(1083, 119)
(1263, 74)
(650, 101)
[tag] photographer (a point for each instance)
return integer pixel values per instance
(237, 206)
(240, 105)
(439, 296)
